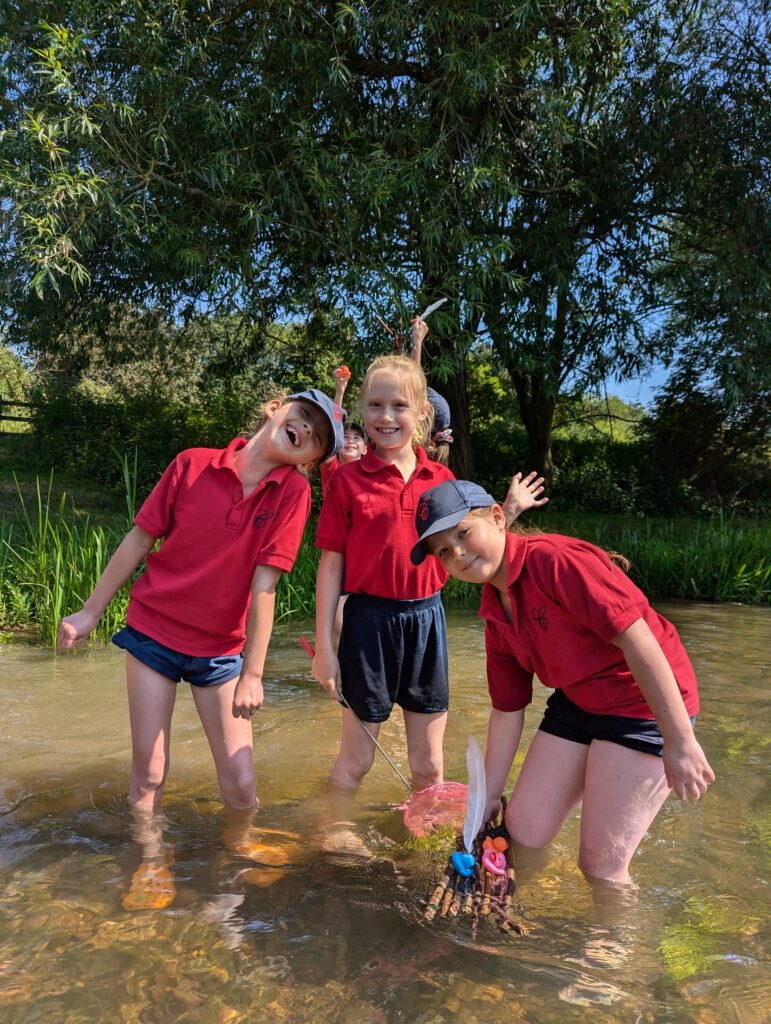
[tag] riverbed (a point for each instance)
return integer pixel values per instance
(339, 938)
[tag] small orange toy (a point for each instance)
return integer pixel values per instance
(343, 371)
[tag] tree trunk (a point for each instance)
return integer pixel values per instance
(461, 455)
(537, 411)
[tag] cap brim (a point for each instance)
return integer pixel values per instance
(421, 549)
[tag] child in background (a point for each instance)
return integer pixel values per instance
(618, 730)
(438, 446)
(231, 522)
(354, 446)
(393, 647)
(354, 438)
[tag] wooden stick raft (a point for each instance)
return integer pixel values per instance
(483, 894)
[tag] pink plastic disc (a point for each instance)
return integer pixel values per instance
(431, 808)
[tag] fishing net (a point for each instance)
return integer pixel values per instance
(435, 807)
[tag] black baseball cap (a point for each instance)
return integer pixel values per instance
(441, 410)
(442, 507)
(334, 413)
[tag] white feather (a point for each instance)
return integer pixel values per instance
(430, 309)
(477, 796)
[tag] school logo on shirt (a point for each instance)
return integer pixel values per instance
(263, 517)
(539, 614)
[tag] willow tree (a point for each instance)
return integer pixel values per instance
(530, 161)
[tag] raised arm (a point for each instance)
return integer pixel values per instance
(342, 375)
(687, 770)
(419, 332)
(523, 494)
(130, 553)
(248, 696)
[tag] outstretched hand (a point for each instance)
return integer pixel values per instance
(524, 493)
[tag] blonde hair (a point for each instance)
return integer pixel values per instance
(533, 531)
(413, 380)
(439, 451)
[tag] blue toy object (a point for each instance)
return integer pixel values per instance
(463, 863)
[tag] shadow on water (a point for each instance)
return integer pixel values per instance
(338, 938)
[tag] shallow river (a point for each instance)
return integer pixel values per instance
(343, 940)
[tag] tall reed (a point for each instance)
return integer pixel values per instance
(51, 558)
(721, 559)
(50, 562)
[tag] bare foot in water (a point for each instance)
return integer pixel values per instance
(152, 886)
(342, 840)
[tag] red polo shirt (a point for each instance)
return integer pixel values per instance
(195, 592)
(369, 516)
(569, 600)
(327, 469)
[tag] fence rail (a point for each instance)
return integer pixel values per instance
(5, 404)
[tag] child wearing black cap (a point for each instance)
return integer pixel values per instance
(618, 730)
(231, 522)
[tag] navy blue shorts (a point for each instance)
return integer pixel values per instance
(173, 664)
(393, 652)
(565, 719)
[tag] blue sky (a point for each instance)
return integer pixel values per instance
(640, 389)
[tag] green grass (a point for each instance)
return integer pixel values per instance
(725, 558)
(22, 462)
(52, 554)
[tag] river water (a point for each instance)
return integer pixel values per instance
(338, 939)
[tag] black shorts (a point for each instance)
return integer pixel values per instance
(565, 719)
(393, 652)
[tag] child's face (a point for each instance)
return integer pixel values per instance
(300, 433)
(389, 419)
(474, 549)
(353, 446)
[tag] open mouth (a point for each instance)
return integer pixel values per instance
(294, 437)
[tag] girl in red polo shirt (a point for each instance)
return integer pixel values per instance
(393, 645)
(231, 522)
(618, 730)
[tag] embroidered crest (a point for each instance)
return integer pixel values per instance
(539, 614)
(263, 517)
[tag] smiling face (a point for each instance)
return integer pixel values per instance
(390, 416)
(474, 549)
(353, 448)
(299, 432)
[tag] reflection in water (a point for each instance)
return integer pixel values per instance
(342, 938)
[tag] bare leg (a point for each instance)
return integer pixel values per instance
(356, 756)
(425, 734)
(357, 753)
(231, 743)
(624, 791)
(151, 699)
(549, 786)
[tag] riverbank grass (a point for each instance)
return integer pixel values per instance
(52, 554)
